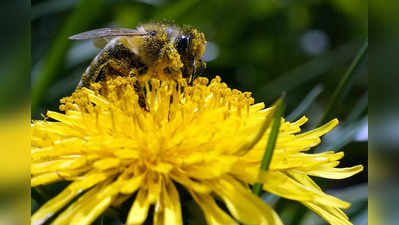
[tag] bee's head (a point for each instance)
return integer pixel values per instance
(191, 46)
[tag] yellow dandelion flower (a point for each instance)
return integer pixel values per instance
(110, 147)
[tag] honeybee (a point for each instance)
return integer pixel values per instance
(155, 49)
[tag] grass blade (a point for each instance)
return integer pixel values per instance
(362, 53)
(305, 104)
(271, 143)
(269, 118)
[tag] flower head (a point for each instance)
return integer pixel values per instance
(111, 147)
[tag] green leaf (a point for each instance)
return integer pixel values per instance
(271, 143)
(344, 82)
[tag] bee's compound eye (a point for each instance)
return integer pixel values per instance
(183, 43)
(153, 33)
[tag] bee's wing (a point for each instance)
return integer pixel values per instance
(107, 33)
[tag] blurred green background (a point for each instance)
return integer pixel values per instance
(301, 47)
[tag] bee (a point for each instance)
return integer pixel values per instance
(150, 50)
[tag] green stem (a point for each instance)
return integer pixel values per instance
(271, 143)
(344, 81)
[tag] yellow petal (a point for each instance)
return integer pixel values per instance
(154, 184)
(332, 215)
(319, 131)
(107, 163)
(190, 184)
(319, 196)
(247, 172)
(65, 217)
(96, 208)
(162, 167)
(243, 205)
(336, 173)
(58, 202)
(72, 174)
(96, 205)
(256, 107)
(303, 179)
(322, 204)
(172, 205)
(300, 122)
(211, 169)
(138, 212)
(126, 154)
(294, 160)
(91, 179)
(213, 214)
(280, 184)
(64, 119)
(45, 178)
(52, 206)
(119, 200)
(132, 184)
(168, 210)
(51, 166)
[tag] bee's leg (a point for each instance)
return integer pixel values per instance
(198, 70)
(108, 68)
(114, 56)
(113, 67)
(138, 88)
(84, 81)
(92, 71)
(133, 72)
(141, 93)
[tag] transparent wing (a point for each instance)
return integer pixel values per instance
(107, 32)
